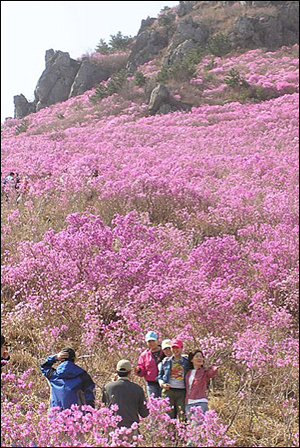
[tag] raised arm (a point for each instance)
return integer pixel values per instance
(46, 367)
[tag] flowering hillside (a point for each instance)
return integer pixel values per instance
(186, 224)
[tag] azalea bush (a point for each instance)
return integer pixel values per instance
(186, 224)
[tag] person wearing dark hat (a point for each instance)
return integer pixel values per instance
(69, 383)
(171, 378)
(4, 353)
(129, 396)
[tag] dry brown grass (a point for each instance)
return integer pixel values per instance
(255, 420)
(221, 20)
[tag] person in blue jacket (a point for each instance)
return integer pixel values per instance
(69, 383)
(171, 378)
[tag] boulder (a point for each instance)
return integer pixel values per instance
(55, 82)
(243, 32)
(159, 96)
(269, 30)
(161, 102)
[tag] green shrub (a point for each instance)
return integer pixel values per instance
(103, 47)
(117, 42)
(166, 16)
(218, 45)
(235, 80)
(23, 126)
(165, 74)
(140, 79)
(112, 86)
(181, 70)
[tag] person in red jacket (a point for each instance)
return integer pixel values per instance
(148, 362)
(196, 380)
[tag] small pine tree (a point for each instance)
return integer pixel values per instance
(234, 79)
(102, 47)
(218, 45)
(113, 86)
(140, 79)
(118, 42)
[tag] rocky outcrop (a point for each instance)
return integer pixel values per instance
(55, 83)
(62, 78)
(185, 8)
(272, 27)
(146, 23)
(189, 34)
(22, 106)
(161, 102)
(289, 16)
(88, 76)
(188, 29)
(147, 45)
(264, 30)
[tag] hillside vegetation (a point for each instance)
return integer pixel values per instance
(185, 223)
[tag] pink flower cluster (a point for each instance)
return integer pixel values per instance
(258, 67)
(197, 238)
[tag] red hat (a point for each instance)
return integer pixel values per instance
(177, 343)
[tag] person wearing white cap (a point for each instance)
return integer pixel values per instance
(166, 347)
(129, 396)
(148, 364)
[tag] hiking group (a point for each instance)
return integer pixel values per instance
(168, 373)
(13, 185)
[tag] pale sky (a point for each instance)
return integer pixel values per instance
(28, 29)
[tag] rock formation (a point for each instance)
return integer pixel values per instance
(162, 102)
(272, 28)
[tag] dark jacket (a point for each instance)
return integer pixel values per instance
(70, 384)
(130, 399)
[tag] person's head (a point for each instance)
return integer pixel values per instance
(12, 174)
(196, 359)
(124, 368)
(151, 339)
(177, 347)
(70, 352)
(166, 347)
